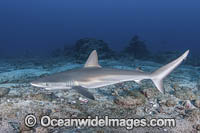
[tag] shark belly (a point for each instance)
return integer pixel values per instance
(57, 88)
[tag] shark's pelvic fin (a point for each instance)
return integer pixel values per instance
(158, 76)
(139, 69)
(92, 60)
(84, 92)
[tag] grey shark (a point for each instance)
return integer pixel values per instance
(92, 75)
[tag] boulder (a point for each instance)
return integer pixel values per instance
(197, 103)
(4, 91)
(85, 46)
(170, 103)
(137, 48)
(129, 101)
(185, 95)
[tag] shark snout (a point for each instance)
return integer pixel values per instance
(34, 84)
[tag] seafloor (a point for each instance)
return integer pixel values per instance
(125, 100)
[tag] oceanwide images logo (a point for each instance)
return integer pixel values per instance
(129, 123)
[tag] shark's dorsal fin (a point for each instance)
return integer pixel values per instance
(92, 60)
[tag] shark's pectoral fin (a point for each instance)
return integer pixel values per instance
(84, 92)
(139, 69)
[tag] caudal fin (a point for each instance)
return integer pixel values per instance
(158, 76)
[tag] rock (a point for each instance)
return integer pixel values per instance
(188, 105)
(83, 100)
(198, 127)
(197, 103)
(41, 130)
(150, 92)
(176, 87)
(152, 106)
(4, 91)
(85, 46)
(137, 48)
(27, 131)
(43, 96)
(155, 105)
(5, 127)
(170, 103)
(24, 128)
(160, 109)
(136, 94)
(185, 95)
(43, 112)
(71, 102)
(193, 115)
(14, 93)
(128, 101)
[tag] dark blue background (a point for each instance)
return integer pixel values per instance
(42, 25)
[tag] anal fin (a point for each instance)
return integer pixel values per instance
(138, 81)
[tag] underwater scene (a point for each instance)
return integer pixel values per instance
(99, 67)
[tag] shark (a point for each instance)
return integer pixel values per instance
(93, 75)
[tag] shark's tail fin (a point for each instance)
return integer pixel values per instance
(158, 76)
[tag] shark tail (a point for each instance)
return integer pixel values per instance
(158, 76)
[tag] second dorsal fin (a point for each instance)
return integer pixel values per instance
(92, 60)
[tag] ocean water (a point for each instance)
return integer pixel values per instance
(42, 38)
(40, 26)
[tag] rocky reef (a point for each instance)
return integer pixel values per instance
(124, 100)
(85, 46)
(82, 49)
(137, 48)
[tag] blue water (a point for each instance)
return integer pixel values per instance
(40, 26)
